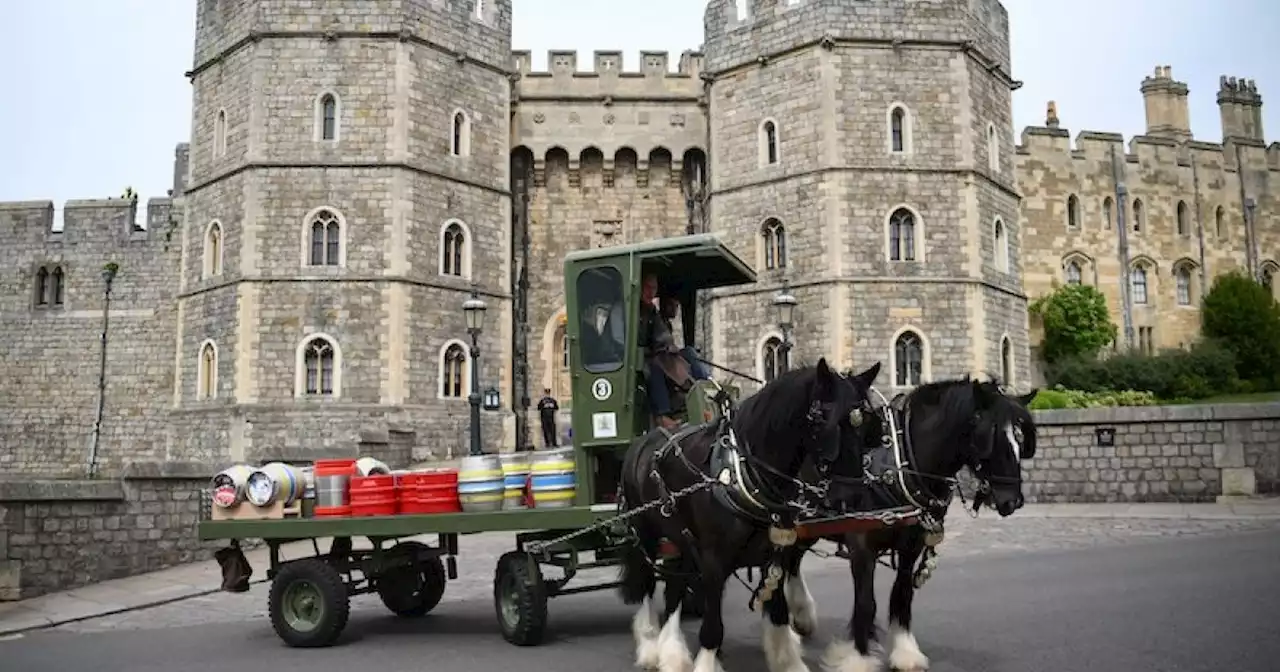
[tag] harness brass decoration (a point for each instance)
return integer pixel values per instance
(782, 536)
(935, 537)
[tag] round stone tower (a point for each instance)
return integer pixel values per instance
(348, 185)
(861, 154)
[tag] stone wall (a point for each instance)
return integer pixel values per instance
(58, 535)
(1159, 453)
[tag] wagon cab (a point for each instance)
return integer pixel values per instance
(603, 296)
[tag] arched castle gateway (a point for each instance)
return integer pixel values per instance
(304, 280)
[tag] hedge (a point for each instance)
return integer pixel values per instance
(1059, 397)
(1205, 370)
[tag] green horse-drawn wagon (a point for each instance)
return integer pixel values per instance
(605, 288)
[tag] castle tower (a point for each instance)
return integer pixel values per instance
(862, 154)
(1241, 107)
(348, 185)
(1168, 114)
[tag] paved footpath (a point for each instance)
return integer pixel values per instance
(189, 594)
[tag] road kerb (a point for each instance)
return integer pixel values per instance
(55, 622)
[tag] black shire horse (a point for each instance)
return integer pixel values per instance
(919, 443)
(755, 468)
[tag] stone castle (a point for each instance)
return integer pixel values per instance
(357, 167)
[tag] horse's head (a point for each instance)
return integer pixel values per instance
(838, 408)
(1004, 435)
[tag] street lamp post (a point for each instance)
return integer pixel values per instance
(473, 308)
(785, 304)
(108, 277)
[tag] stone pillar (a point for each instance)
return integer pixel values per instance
(1238, 479)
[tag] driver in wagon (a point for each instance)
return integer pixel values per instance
(663, 359)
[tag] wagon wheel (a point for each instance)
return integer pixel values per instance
(520, 598)
(309, 604)
(415, 589)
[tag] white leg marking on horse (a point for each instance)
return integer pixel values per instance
(904, 653)
(644, 627)
(782, 649)
(843, 656)
(804, 612)
(673, 652)
(707, 662)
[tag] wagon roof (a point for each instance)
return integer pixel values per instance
(699, 260)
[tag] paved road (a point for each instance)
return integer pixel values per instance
(1029, 595)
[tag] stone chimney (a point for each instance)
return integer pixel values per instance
(1168, 114)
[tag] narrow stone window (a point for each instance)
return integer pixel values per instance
(220, 134)
(454, 372)
(57, 286)
(1108, 214)
(1184, 219)
(1073, 273)
(213, 250)
(1073, 212)
(1182, 283)
(1000, 239)
(773, 359)
(42, 286)
(898, 129)
(1139, 216)
(1138, 283)
(774, 236)
(454, 259)
(1006, 361)
(908, 355)
(460, 144)
(769, 142)
(318, 359)
(1219, 221)
(207, 376)
(902, 235)
(328, 117)
(326, 238)
(993, 149)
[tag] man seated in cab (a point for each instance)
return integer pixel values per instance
(663, 359)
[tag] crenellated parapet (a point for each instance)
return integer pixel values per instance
(85, 220)
(740, 32)
(608, 76)
(479, 30)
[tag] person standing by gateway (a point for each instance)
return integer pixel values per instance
(547, 408)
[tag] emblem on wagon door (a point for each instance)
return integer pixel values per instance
(602, 389)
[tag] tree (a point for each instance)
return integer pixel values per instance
(1245, 318)
(1076, 321)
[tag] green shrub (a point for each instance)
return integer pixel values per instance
(1244, 316)
(1059, 397)
(1076, 322)
(1205, 370)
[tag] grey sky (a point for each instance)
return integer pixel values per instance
(94, 98)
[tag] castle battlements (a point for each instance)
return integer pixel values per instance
(740, 32)
(1168, 140)
(85, 218)
(609, 76)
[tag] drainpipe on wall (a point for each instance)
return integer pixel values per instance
(1204, 266)
(1250, 252)
(1122, 230)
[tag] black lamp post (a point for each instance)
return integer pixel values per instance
(108, 277)
(785, 304)
(474, 309)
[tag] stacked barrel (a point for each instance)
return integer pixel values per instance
(367, 487)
